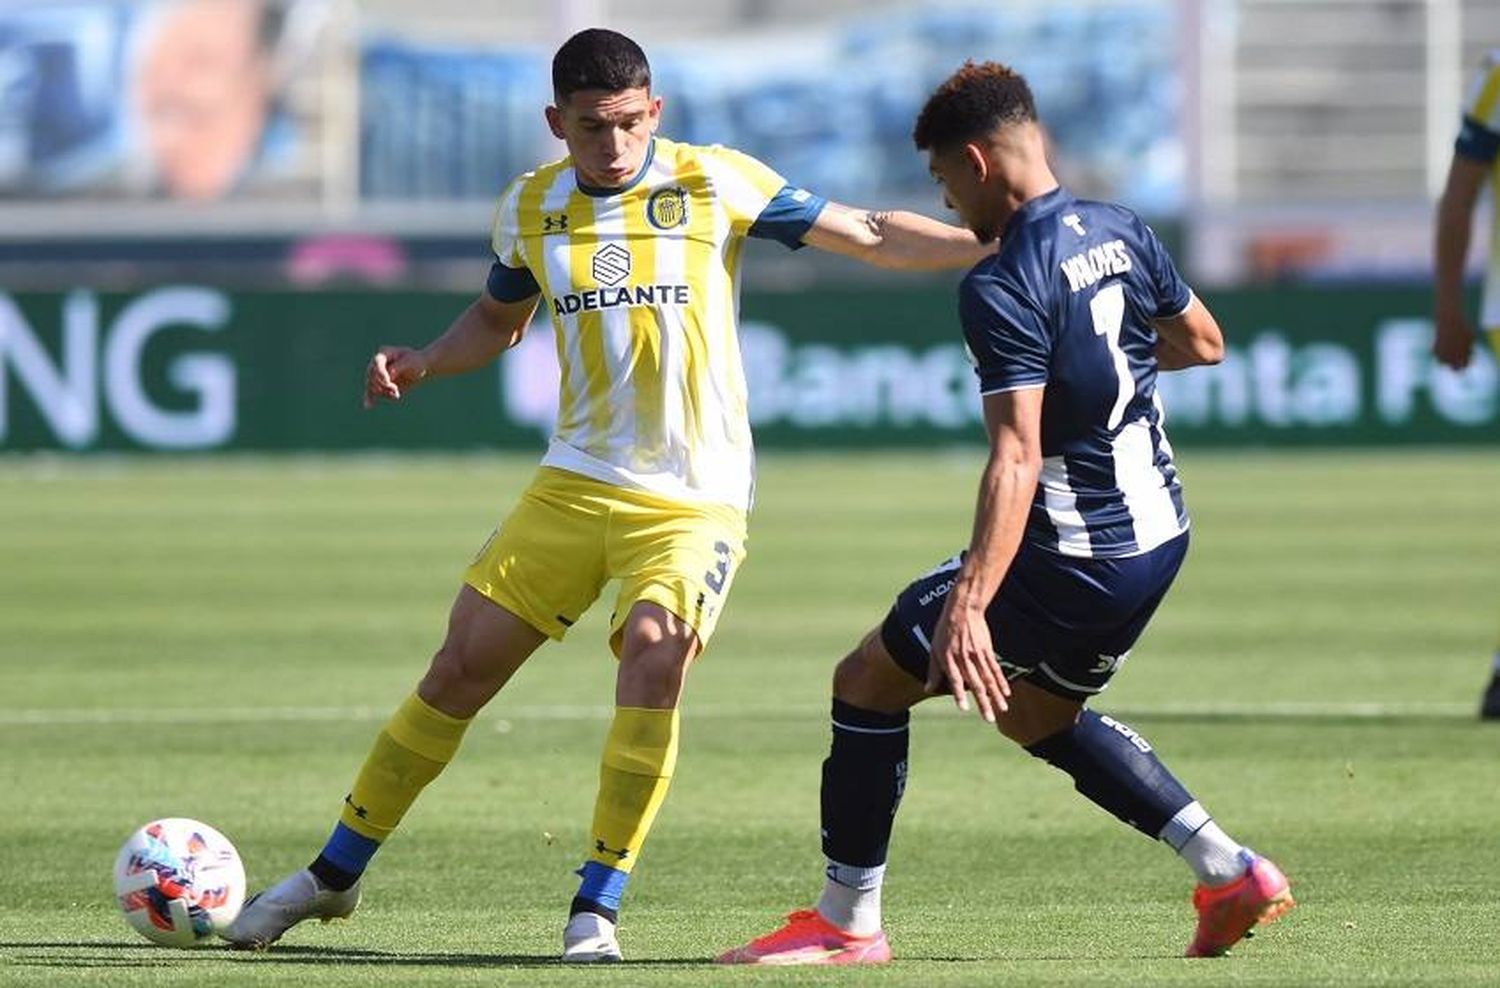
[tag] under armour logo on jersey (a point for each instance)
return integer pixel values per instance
(555, 224)
(1072, 222)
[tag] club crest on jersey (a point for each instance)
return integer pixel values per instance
(611, 264)
(668, 208)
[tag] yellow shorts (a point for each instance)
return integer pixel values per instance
(1495, 342)
(570, 534)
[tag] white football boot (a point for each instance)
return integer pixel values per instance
(265, 917)
(590, 939)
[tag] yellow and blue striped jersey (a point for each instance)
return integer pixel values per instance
(642, 284)
(1480, 139)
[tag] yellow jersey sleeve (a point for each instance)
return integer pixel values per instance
(510, 278)
(743, 185)
(1482, 103)
(505, 234)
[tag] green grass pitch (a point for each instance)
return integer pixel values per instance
(221, 638)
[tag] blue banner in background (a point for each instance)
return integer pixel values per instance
(251, 99)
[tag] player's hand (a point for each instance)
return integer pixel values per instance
(392, 370)
(963, 662)
(1454, 343)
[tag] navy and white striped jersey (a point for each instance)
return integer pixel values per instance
(1067, 304)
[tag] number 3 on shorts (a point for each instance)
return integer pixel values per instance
(715, 577)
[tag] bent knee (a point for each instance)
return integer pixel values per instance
(456, 682)
(870, 679)
(657, 638)
(1035, 714)
(655, 649)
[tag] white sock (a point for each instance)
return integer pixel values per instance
(851, 898)
(1215, 857)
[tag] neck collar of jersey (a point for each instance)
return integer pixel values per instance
(599, 192)
(1036, 207)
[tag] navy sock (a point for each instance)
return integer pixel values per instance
(864, 777)
(344, 858)
(1114, 766)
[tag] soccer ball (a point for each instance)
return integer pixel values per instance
(179, 881)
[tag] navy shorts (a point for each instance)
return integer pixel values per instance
(1062, 623)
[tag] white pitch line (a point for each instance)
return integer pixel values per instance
(502, 716)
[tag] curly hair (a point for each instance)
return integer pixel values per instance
(973, 101)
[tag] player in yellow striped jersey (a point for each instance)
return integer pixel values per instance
(1476, 160)
(632, 247)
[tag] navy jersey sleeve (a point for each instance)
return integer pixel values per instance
(1477, 142)
(789, 215)
(507, 284)
(1172, 293)
(1006, 334)
(1479, 134)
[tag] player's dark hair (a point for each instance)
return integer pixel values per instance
(598, 58)
(972, 102)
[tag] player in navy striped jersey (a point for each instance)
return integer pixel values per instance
(1079, 531)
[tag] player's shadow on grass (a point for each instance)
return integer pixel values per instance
(99, 954)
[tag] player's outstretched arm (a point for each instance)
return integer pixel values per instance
(1454, 341)
(481, 332)
(963, 653)
(1190, 339)
(895, 239)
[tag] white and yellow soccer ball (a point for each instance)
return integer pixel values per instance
(179, 882)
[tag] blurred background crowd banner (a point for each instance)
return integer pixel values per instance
(214, 100)
(236, 147)
(199, 101)
(1301, 137)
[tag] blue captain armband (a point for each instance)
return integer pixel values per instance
(508, 284)
(1477, 142)
(790, 214)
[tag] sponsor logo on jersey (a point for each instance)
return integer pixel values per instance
(554, 223)
(1072, 222)
(1090, 266)
(668, 208)
(611, 264)
(626, 296)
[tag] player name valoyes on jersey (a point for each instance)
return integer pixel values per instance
(610, 266)
(1088, 267)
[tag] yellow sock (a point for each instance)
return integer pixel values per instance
(636, 770)
(413, 748)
